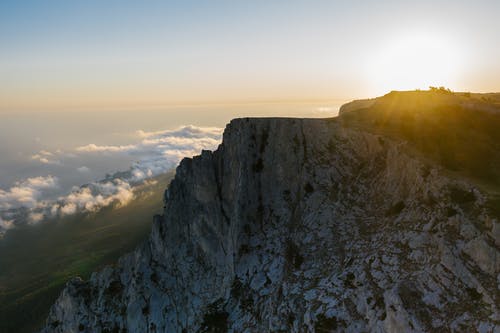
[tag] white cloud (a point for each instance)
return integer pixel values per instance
(144, 134)
(5, 224)
(160, 151)
(45, 157)
(184, 139)
(26, 193)
(83, 169)
(93, 197)
(34, 218)
(67, 209)
(156, 153)
(324, 109)
(184, 131)
(93, 148)
(85, 199)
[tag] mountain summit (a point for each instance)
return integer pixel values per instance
(384, 219)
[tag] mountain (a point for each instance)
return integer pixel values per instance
(356, 223)
(36, 261)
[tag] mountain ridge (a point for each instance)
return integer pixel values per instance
(302, 225)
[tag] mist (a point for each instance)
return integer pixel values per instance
(70, 180)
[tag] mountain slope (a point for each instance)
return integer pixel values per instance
(459, 131)
(37, 261)
(303, 225)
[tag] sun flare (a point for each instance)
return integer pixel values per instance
(415, 60)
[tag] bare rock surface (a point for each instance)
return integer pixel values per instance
(302, 225)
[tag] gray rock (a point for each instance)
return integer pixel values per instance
(300, 225)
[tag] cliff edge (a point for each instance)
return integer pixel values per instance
(302, 225)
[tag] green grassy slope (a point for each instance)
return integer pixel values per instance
(36, 261)
(459, 131)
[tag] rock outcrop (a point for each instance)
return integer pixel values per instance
(302, 225)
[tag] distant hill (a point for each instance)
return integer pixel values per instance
(37, 261)
(461, 131)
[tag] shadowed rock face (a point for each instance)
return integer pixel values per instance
(300, 225)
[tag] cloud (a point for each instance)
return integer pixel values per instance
(324, 109)
(83, 169)
(5, 224)
(88, 198)
(144, 134)
(93, 197)
(184, 131)
(155, 153)
(26, 193)
(34, 218)
(93, 148)
(160, 151)
(45, 157)
(187, 138)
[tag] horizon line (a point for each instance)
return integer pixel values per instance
(175, 105)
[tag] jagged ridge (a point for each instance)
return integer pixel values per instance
(301, 225)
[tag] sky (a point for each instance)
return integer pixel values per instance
(52, 190)
(64, 55)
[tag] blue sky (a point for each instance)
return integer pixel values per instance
(64, 54)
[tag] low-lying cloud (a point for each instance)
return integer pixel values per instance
(83, 169)
(189, 131)
(155, 152)
(160, 151)
(93, 197)
(183, 140)
(88, 198)
(5, 225)
(45, 157)
(93, 148)
(26, 193)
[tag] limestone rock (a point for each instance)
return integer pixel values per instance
(301, 225)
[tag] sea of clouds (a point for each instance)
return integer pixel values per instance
(30, 201)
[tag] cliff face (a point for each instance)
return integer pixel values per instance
(298, 225)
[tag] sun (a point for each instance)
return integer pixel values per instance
(415, 60)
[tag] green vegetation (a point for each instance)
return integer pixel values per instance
(461, 133)
(37, 261)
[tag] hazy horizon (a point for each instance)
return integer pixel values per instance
(52, 157)
(101, 100)
(91, 55)
(82, 82)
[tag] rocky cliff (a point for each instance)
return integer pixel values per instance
(302, 225)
